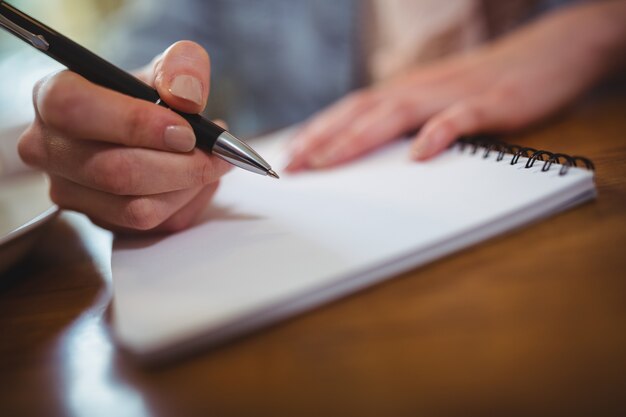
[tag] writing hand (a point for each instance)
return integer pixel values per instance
(126, 163)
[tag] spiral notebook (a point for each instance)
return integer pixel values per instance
(266, 250)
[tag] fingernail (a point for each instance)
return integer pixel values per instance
(179, 138)
(292, 166)
(417, 152)
(423, 145)
(188, 88)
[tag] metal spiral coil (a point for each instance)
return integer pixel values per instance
(489, 145)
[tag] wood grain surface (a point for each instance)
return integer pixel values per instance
(529, 323)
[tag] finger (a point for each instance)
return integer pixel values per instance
(480, 114)
(187, 215)
(74, 107)
(182, 219)
(137, 213)
(181, 76)
(369, 130)
(146, 73)
(326, 126)
(121, 170)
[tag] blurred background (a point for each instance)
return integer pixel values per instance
(21, 66)
(267, 57)
(273, 62)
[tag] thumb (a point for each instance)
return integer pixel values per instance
(181, 76)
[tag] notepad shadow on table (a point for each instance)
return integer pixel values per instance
(266, 250)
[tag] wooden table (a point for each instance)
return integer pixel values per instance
(530, 323)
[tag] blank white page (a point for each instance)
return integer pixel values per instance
(266, 249)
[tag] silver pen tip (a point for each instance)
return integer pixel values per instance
(272, 174)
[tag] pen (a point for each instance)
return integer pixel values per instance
(209, 136)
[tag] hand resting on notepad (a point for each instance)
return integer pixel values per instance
(503, 86)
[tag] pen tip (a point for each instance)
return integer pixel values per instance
(272, 174)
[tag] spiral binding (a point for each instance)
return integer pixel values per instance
(489, 145)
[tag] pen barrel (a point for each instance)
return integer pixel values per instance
(205, 130)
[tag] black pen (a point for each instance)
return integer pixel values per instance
(209, 136)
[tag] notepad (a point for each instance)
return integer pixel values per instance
(265, 250)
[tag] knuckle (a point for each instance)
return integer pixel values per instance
(208, 172)
(403, 109)
(447, 126)
(137, 123)
(464, 117)
(509, 103)
(507, 92)
(141, 214)
(113, 173)
(473, 114)
(58, 101)
(30, 148)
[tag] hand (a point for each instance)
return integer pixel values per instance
(501, 87)
(126, 163)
